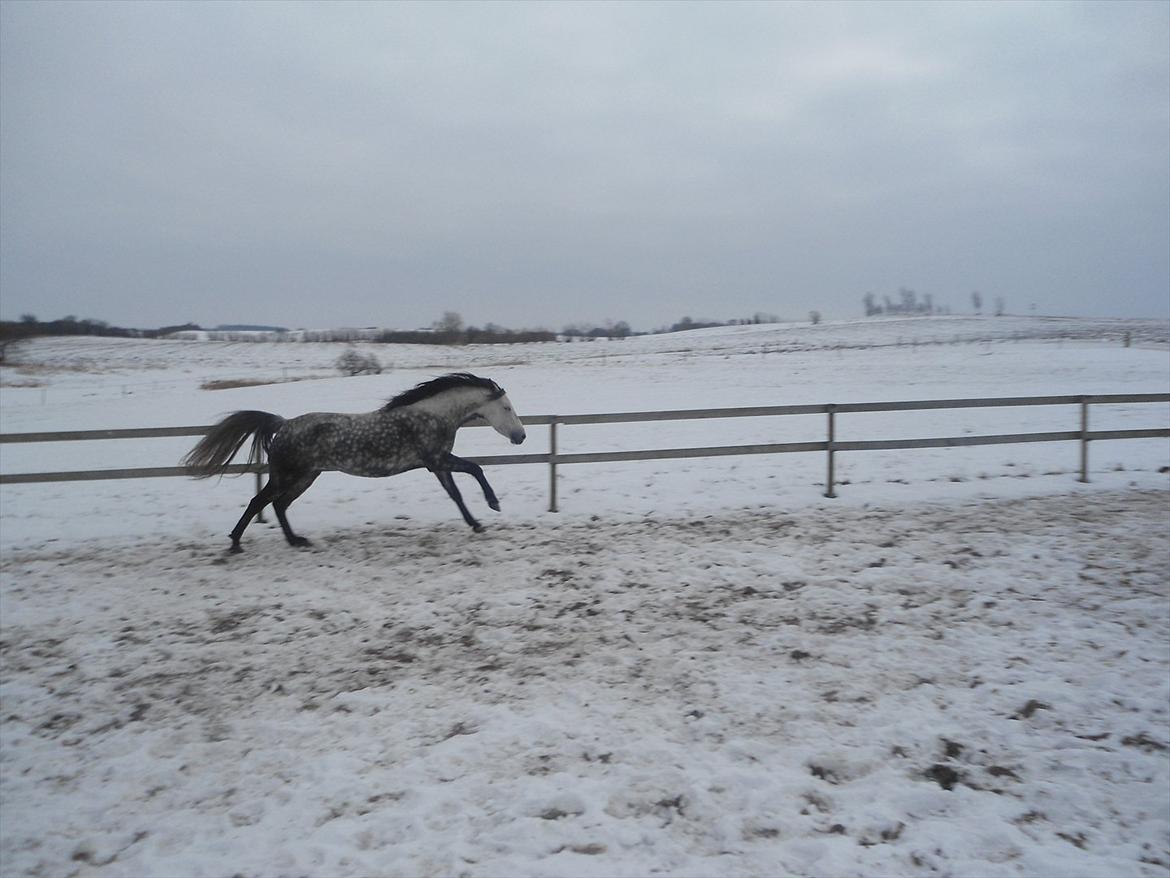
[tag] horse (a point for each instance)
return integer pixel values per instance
(414, 429)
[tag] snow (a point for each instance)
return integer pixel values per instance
(960, 666)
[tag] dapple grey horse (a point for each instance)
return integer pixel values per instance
(414, 429)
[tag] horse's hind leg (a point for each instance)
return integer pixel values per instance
(280, 504)
(261, 500)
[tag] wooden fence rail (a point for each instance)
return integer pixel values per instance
(553, 458)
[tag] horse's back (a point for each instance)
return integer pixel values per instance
(372, 444)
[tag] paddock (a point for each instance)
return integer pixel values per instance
(957, 666)
(958, 687)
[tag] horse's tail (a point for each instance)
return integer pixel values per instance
(215, 451)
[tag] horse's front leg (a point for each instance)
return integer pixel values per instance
(448, 482)
(459, 465)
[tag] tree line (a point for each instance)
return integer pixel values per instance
(444, 332)
(908, 302)
(449, 329)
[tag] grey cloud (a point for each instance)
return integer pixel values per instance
(542, 163)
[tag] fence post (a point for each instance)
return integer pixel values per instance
(832, 410)
(552, 464)
(1084, 440)
(260, 514)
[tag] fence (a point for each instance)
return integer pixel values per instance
(830, 446)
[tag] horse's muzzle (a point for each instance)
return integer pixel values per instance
(518, 436)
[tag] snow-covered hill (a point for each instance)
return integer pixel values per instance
(702, 667)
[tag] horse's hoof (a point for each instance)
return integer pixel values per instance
(495, 507)
(300, 543)
(478, 528)
(236, 549)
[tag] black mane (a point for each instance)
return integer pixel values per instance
(438, 385)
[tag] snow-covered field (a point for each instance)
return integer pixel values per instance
(960, 666)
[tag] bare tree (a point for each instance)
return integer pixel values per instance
(353, 362)
(451, 321)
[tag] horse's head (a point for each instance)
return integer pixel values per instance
(497, 411)
(466, 398)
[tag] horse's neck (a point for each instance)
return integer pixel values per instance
(453, 406)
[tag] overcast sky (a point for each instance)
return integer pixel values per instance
(540, 164)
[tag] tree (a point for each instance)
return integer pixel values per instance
(814, 317)
(977, 301)
(353, 362)
(451, 321)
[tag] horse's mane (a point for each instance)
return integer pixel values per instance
(435, 386)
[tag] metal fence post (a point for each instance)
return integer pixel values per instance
(260, 514)
(552, 464)
(1084, 440)
(832, 410)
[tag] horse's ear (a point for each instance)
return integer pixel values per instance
(497, 393)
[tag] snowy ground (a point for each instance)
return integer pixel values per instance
(701, 667)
